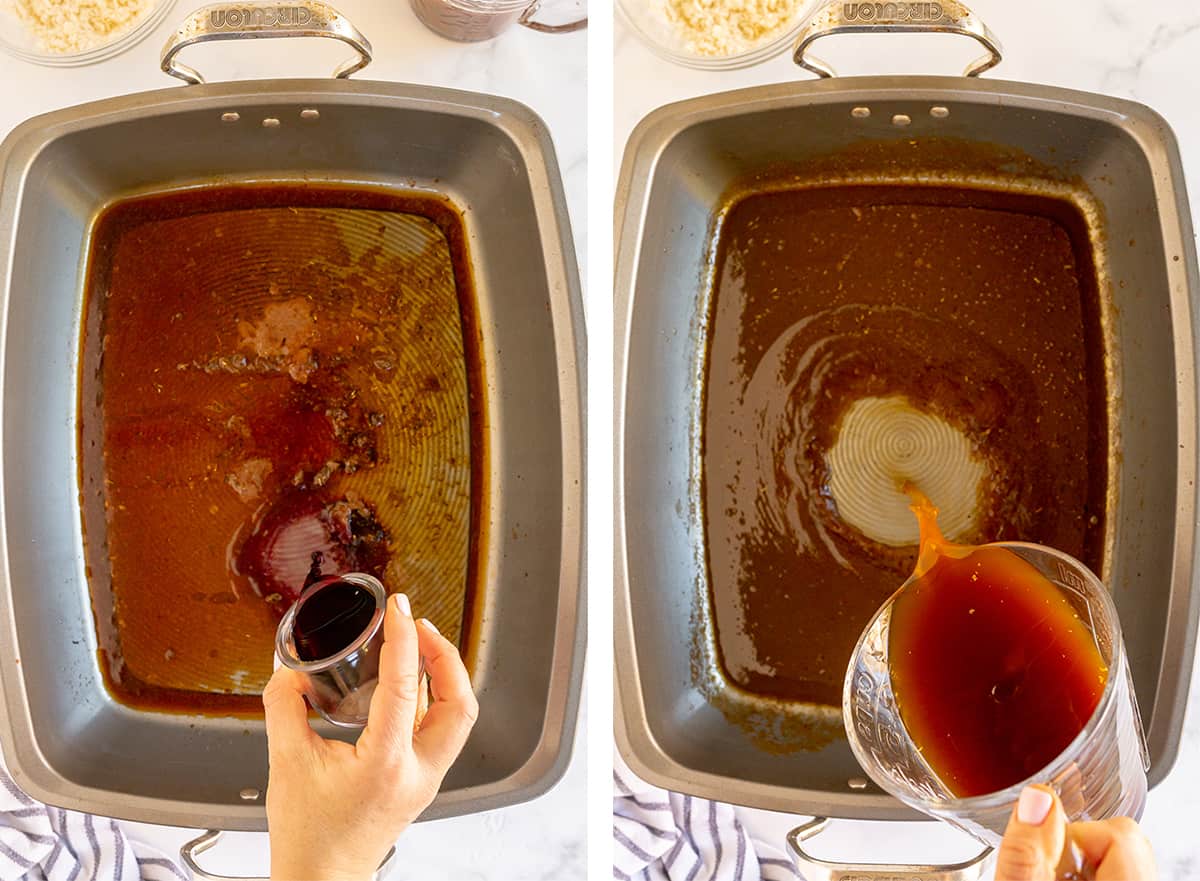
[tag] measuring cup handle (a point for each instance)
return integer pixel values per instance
(814, 869)
(198, 845)
(527, 20)
(944, 17)
(242, 21)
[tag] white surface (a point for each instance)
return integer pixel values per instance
(545, 838)
(1142, 51)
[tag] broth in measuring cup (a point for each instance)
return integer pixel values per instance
(993, 670)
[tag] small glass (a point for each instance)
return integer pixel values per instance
(470, 21)
(339, 686)
(1101, 774)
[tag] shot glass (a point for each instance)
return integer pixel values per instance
(332, 636)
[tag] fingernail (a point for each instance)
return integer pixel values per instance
(403, 605)
(430, 625)
(1034, 806)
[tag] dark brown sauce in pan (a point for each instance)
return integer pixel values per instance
(979, 307)
(279, 382)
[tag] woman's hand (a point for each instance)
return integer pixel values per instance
(334, 809)
(1038, 832)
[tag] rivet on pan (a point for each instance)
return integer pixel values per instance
(939, 112)
(857, 783)
(249, 794)
(901, 119)
(232, 116)
(310, 114)
(270, 122)
(860, 112)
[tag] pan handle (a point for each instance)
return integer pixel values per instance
(814, 869)
(248, 21)
(942, 17)
(198, 845)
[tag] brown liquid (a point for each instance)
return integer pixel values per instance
(980, 307)
(278, 383)
(330, 618)
(993, 670)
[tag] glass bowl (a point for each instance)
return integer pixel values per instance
(648, 19)
(18, 39)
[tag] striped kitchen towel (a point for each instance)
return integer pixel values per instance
(664, 836)
(40, 843)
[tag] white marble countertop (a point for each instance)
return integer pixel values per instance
(1140, 51)
(543, 839)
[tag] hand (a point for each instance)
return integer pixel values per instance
(334, 809)
(1038, 832)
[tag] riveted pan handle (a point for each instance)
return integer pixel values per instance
(248, 21)
(813, 869)
(198, 845)
(941, 17)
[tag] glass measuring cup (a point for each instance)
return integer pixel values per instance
(470, 21)
(1101, 773)
(339, 685)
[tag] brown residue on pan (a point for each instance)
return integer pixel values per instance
(247, 347)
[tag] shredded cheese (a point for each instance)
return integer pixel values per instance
(728, 27)
(66, 27)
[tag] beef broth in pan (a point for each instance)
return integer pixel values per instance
(975, 306)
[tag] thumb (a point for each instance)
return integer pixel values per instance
(1034, 838)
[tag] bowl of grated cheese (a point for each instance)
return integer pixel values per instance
(716, 34)
(70, 33)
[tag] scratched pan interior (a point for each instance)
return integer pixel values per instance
(67, 741)
(678, 164)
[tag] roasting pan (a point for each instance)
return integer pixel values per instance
(1118, 157)
(66, 741)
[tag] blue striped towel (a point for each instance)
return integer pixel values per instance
(665, 836)
(40, 843)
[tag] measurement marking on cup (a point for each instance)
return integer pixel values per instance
(1071, 579)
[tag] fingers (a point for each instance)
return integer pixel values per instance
(1034, 838)
(1117, 849)
(286, 713)
(450, 718)
(394, 704)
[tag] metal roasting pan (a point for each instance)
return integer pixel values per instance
(64, 738)
(678, 164)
